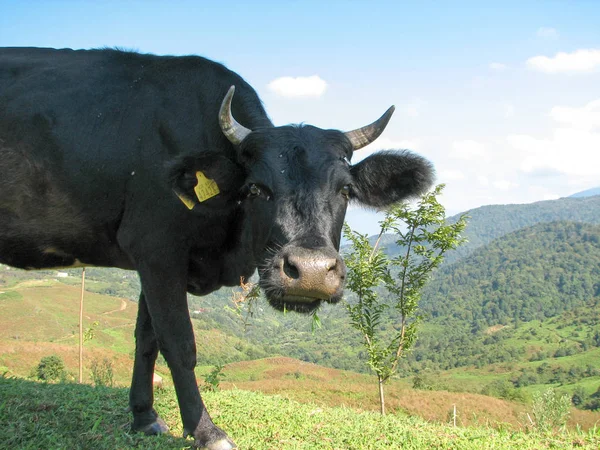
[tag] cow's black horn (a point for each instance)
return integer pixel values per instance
(362, 137)
(230, 127)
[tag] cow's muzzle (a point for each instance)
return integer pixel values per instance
(300, 278)
(311, 274)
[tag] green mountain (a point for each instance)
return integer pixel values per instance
(532, 274)
(541, 273)
(487, 223)
(529, 296)
(491, 222)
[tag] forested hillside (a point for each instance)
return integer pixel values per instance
(512, 274)
(535, 273)
(475, 307)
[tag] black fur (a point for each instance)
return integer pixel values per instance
(390, 176)
(97, 149)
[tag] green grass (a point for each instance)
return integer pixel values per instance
(9, 295)
(250, 371)
(38, 311)
(70, 416)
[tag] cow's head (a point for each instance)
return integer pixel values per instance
(298, 183)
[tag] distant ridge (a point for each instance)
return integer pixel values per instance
(490, 222)
(587, 193)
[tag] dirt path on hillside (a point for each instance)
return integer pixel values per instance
(123, 307)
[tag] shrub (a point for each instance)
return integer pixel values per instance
(526, 379)
(102, 372)
(213, 379)
(550, 411)
(579, 397)
(503, 389)
(51, 368)
(422, 382)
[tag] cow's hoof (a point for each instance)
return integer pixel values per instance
(157, 427)
(221, 444)
(210, 438)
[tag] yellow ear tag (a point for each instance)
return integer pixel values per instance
(206, 188)
(188, 202)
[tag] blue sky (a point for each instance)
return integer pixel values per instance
(503, 97)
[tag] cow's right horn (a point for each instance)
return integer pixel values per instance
(230, 127)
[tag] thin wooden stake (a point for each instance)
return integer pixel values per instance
(454, 416)
(81, 327)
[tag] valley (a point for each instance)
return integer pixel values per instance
(516, 313)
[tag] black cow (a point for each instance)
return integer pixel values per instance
(119, 159)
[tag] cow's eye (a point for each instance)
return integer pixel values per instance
(253, 191)
(345, 191)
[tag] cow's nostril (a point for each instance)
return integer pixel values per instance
(331, 265)
(290, 269)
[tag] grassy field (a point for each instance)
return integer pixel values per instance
(40, 317)
(306, 382)
(70, 416)
(48, 311)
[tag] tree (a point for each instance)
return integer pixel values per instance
(51, 368)
(391, 287)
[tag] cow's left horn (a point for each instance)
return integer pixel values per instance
(362, 137)
(231, 128)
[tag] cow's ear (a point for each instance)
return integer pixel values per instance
(390, 176)
(196, 180)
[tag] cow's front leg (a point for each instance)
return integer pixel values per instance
(141, 394)
(164, 289)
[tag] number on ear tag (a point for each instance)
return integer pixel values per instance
(206, 188)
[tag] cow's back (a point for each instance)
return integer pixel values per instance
(84, 135)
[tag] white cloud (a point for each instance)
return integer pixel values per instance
(569, 151)
(498, 66)
(572, 149)
(547, 33)
(468, 149)
(313, 86)
(586, 118)
(579, 61)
